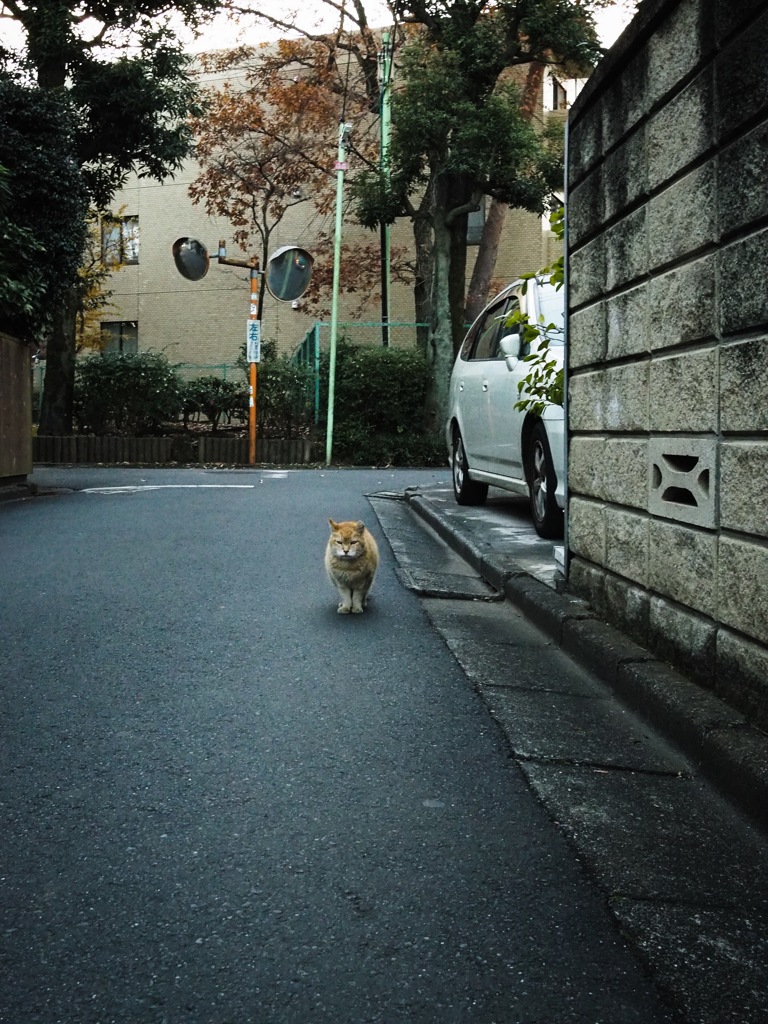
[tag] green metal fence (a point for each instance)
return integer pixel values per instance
(355, 332)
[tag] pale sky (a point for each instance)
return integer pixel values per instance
(224, 32)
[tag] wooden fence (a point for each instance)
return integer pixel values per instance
(15, 409)
(205, 450)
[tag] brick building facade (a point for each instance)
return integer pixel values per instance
(154, 308)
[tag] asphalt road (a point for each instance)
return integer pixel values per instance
(223, 803)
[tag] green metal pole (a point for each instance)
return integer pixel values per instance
(316, 366)
(384, 160)
(341, 166)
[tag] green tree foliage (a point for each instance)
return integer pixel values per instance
(458, 133)
(545, 382)
(43, 204)
(120, 71)
(21, 290)
(133, 113)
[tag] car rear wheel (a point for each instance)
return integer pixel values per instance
(547, 516)
(467, 492)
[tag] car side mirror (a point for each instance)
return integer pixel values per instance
(509, 346)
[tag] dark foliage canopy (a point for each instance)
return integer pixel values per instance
(43, 203)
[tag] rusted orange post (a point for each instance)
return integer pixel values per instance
(253, 354)
(253, 340)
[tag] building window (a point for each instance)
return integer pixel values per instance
(120, 240)
(475, 223)
(559, 95)
(120, 336)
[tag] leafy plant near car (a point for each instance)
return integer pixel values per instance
(545, 384)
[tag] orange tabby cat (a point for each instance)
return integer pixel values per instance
(351, 560)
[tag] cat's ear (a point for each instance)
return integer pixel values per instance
(334, 526)
(359, 526)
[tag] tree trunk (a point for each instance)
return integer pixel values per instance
(440, 343)
(532, 90)
(59, 385)
(458, 278)
(458, 200)
(485, 262)
(488, 250)
(422, 288)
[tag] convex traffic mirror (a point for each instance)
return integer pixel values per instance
(289, 269)
(288, 272)
(191, 258)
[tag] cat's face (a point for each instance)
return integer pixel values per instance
(347, 539)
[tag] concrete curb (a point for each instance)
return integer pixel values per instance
(17, 489)
(727, 750)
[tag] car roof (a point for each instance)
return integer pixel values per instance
(511, 287)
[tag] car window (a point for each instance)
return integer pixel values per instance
(491, 329)
(487, 332)
(551, 309)
(484, 337)
(511, 307)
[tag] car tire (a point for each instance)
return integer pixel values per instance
(542, 482)
(466, 491)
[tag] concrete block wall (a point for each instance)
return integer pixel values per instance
(668, 345)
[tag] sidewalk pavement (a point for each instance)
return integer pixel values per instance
(620, 750)
(522, 568)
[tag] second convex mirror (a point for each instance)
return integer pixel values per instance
(288, 273)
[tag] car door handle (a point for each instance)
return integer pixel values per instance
(485, 385)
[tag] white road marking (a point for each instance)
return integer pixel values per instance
(132, 488)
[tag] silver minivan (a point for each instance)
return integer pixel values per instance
(489, 441)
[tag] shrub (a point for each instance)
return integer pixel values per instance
(379, 407)
(214, 397)
(283, 399)
(284, 395)
(126, 394)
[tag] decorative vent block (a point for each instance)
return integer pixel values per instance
(682, 480)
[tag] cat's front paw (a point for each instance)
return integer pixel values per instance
(357, 610)
(344, 609)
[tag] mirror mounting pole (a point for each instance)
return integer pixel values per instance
(253, 339)
(288, 273)
(251, 264)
